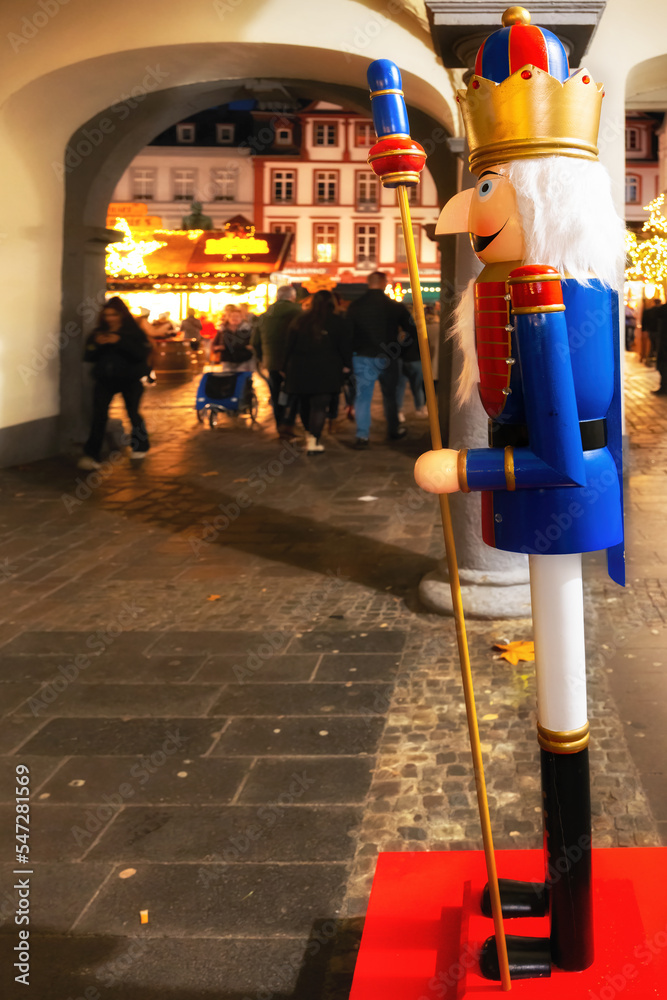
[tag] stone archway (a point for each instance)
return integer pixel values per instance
(92, 167)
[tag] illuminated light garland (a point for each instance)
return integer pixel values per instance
(127, 257)
(648, 258)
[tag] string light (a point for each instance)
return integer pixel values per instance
(127, 257)
(648, 257)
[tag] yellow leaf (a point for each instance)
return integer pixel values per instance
(515, 651)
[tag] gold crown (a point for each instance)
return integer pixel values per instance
(531, 114)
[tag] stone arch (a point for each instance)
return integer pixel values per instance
(64, 81)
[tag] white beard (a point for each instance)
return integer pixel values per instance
(463, 331)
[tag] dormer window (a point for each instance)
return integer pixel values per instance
(224, 134)
(185, 133)
(283, 135)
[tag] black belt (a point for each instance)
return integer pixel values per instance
(593, 435)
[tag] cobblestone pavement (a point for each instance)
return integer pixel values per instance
(217, 671)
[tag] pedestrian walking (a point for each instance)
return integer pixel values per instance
(630, 327)
(191, 328)
(231, 344)
(317, 354)
(410, 370)
(119, 350)
(659, 316)
(376, 322)
(207, 334)
(269, 342)
(163, 327)
(650, 326)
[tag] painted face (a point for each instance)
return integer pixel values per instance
(489, 213)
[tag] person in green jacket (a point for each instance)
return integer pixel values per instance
(269, 342)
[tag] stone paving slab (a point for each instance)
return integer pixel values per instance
(217, 900)
(329, 779)
(352, 698)
(257, 669)
(241, 834)
(179, 779)
(139, 967)
(298, 736)
(59, 892)
(123, 736)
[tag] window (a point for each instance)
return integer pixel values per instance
(366, 246)
(325, 134)
(143, 184)
(286, 227)
(401, 256)
(367, 191)
(413, 194)
(325, 240)
(631, 138)
(326, 187)
(224, 134)
(224, 185)
(364, 134)
(185, 133)
(284, 186)
(184, 185)
(283, 135)
(632, 189)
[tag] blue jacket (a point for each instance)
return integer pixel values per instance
(552, 478)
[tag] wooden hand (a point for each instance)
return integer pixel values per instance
(436, 471)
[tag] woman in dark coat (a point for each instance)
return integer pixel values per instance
(319, 351)
(118, 349)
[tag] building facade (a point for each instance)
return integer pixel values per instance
(644, 177)
(287, 167)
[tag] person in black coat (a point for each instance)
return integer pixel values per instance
(118, 349)
(318, 353)
(377, 322)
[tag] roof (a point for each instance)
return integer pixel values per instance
(192, 258)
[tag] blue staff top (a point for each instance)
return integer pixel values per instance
(390, 115)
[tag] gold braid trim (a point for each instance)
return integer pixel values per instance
(510, 478)
(568, 741)
(461, 469)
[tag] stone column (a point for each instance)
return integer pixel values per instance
(495, 584)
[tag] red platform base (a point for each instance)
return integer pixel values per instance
(424, 928)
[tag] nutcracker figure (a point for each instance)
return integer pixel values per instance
(539, 331)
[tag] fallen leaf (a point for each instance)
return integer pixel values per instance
(143, 914)
(515, 651)
(214, 597)
(214, 473)
(240, 480)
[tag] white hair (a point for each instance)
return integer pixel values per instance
(569, 222)
(568, 217)
(463, 330)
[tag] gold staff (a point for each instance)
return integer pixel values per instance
(394, 159)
